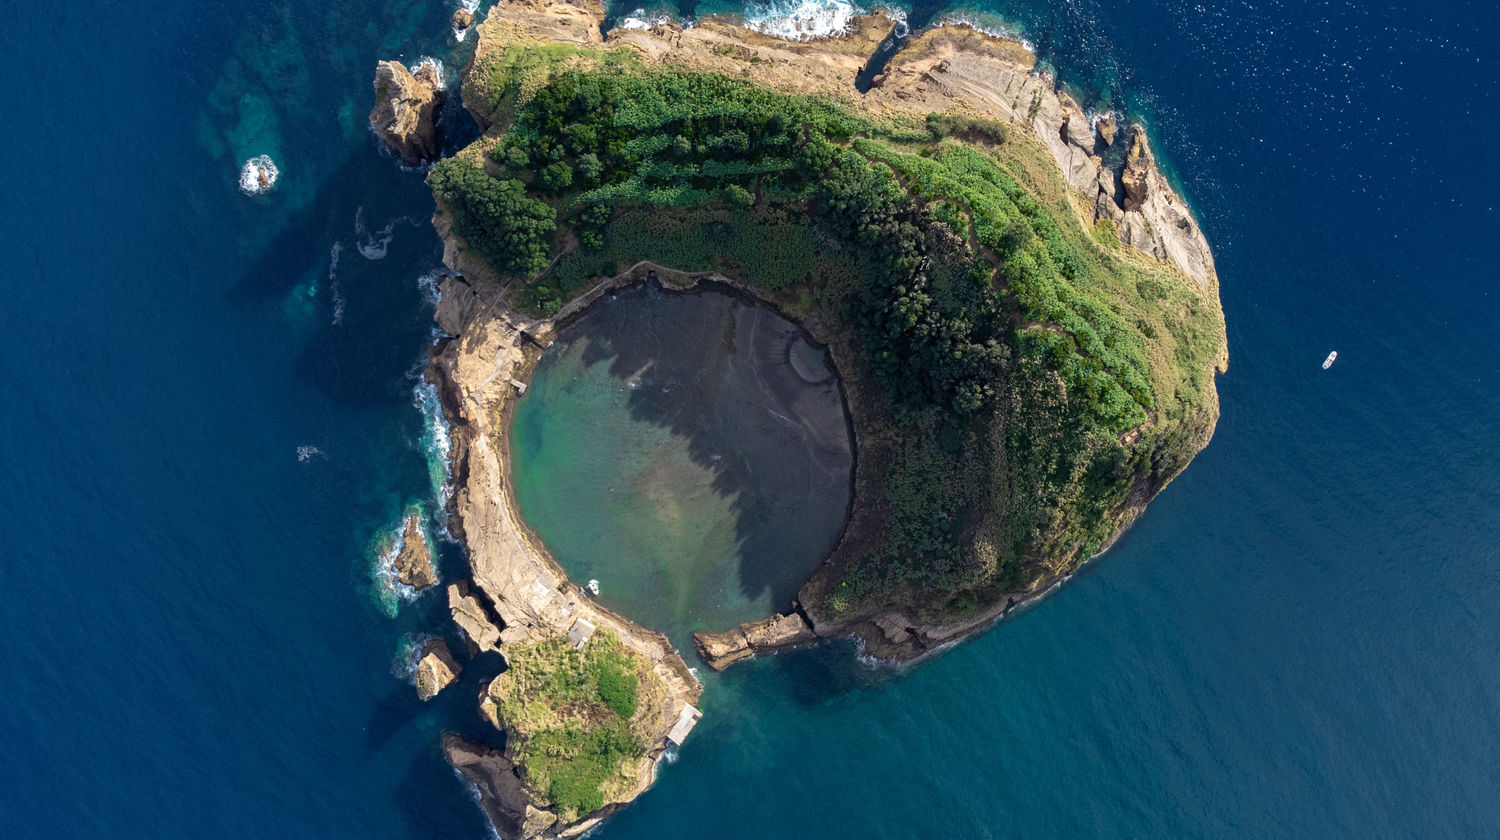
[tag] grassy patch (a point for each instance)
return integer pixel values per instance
(579, 719)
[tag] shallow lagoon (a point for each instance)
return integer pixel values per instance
(689, 451)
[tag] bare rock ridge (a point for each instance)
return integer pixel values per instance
(406, 109)
(436, 669)
(414, 561)
(769, 635)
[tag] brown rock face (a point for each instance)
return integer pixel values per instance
(436, 670)
(1107, 130)
(720, 650)
(501, 793)
(1137, 170)
(414, 561)
(406, 110)
(462, 19)
(779, 632)
(471, 614)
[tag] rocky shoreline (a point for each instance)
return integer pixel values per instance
(518, 595)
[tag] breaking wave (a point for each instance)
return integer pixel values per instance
(437, 69)
(985, 23)
(472, 7)
(800, 20)
(307, 452)
(643, 19)
(435, 442)
(258, 175)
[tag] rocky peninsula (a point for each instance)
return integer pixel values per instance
(1025, 316)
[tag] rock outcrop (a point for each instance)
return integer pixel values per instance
(779, 632)
(501, 792)
(473, 616)
(406, 111)
(414, 565)
(462, 20)
(1137, 174)
(436, 669)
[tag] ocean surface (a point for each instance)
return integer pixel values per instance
(213, 416)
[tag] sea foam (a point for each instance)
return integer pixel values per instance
(800, 20)
(372, 246)
(643, 19)
(258, 175)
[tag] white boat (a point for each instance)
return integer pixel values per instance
(1328, 362)
(593, 588)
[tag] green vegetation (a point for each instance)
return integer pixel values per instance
(1002, 353)
(576, 718)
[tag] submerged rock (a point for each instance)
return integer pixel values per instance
(436, 669)
(414, 561)
(406, 110)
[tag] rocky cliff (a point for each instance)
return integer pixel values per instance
(406, 111)
(1120, 195)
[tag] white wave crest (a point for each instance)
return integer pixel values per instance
(435, 442)
(642, 19)
(430, 285)
(800, 20)
(307, 452)
(472, 7)
(986, 24)
(437, 69)
(258, 175)
(898, 17)
(389, 590)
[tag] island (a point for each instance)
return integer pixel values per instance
(1023, 314)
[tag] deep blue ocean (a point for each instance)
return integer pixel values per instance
(211, 413)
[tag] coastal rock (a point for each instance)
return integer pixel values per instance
(1075, 126)
(779, 632)
(406, 109)
(414, 561)
(1137, 170)
(720, 650)
(457, 303)
(462, 19)
(501, 792)
(473, 617)
(1107, 130)
(436, 669)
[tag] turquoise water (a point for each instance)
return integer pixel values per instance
(1297, 640)
(690, 452)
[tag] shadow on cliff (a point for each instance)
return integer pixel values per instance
(774, 443)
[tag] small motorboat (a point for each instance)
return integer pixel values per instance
(593, 588)
(1328, 362)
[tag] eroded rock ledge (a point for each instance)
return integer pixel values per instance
(769, 635)
(406, 109)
